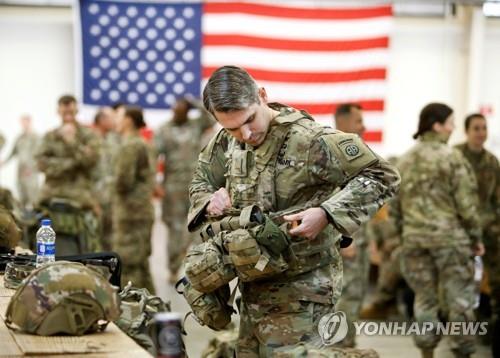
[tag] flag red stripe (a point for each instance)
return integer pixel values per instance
(295, 45)
(329, 108)
(373, 136)
(297, 13)
(309, 77)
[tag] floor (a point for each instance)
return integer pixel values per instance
(198, 336)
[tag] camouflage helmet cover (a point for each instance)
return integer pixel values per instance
(63, 297)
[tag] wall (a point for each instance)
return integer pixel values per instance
(429, 63)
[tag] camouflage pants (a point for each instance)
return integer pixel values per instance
(106, 227)
(265, 328)
(389, 277)
(451, 271)
(492, 267)
(27, 187)
(175, 208)
(132, 241)
(355, 283)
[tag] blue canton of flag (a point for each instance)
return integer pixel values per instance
(145, 54)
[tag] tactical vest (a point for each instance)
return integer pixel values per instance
(251, 181)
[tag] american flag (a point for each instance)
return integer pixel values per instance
(309, 55)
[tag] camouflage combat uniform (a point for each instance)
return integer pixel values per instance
(180, 145)
(384, 234)
(132, 210)
(436, 213)
(354, 283)
(68, 170)
(297, 160)
(27, 173)
(103, 187)
(487, 170)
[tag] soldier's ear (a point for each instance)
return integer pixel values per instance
(263, 95)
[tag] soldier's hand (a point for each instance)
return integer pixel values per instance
(349, 252)
(478, 249)
(312, 222)
(68, 132)
(219, 202)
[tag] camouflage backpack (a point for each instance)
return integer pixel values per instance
(63, 298)
(10, 234)
(138, 308)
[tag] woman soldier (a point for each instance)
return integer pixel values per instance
(132, 209)
(436, 215)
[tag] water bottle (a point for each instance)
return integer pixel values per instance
(45, 244)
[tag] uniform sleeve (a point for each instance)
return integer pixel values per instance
(126, 168)
(52, 165)
(207, 179)
(465, 192)
(86, 152)
(159, 141)
(367, 180)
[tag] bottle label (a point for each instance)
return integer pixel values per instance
(45, 249)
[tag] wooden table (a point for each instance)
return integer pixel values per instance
(110, 343)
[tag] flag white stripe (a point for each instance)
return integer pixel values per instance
(295, 29)
(314, 62)
(373, 120)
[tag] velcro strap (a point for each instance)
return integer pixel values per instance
(241, 245)
(246, 215)
(245, 260)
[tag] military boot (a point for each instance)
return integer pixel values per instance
(427, 353)
(378, 311)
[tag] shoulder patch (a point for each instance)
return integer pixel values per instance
(352, 153)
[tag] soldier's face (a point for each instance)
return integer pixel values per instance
(352, 122)
(68, 112)
(477, 132)
(445, 128)
(249, 125)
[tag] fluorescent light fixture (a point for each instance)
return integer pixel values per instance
(491, 9)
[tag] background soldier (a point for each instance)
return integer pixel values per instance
(356, 257)
(67, 155)
(178, 142)
(24, 149)
(276, 157)
(487, 171)
(104, 126)
(132, 209)
(436, 213)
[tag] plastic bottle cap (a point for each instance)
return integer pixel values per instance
(46, 222)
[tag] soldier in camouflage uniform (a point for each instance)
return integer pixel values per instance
(67, 156)
(436, 213)
(132, 210)
(274, 156)
(24, 149)
(487, 170)
(179, 142)
(356, 257)
(104, 126)
(382, 232)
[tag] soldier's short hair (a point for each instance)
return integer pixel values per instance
(470, 117)
(430, 114)
(135, 113)
(345, 108)
(66, 99)
(230, 88)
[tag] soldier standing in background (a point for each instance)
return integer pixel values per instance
(178, 142)
(487, 170)
(356, 257)
(436, 214)
(104, 126)
(276, 157)
(67, 156)
(24, 149)
(132, 210)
